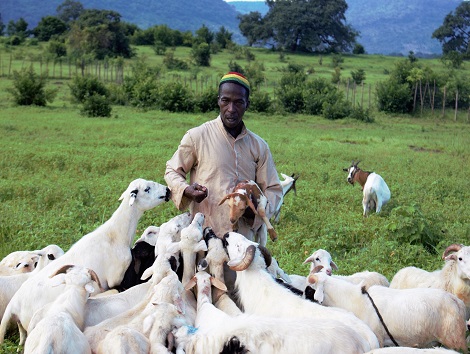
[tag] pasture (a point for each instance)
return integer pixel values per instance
(61, 175)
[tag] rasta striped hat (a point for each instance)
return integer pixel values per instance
(236, 78)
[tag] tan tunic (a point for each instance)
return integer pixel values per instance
(213, 158)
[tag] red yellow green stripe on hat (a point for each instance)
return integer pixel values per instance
(237, 78)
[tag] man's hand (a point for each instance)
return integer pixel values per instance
(195, 192)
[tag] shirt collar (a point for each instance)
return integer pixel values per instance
(240, 136)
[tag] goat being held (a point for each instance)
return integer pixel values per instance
(248, 196)
(375, 190)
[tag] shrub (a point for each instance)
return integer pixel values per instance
(96, 105)
(29, 88)
(83, 87)
(175, 97)
(359, 76)
(57, 49)
(358, 49)
(173, 63)
(234, 66)
(206, 101)
(393, 97)
(201, 54)
(317, 92)
(359, 113)
(260, 102)
(290, 91)
(336, 110)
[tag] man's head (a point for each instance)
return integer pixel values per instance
(233, 100)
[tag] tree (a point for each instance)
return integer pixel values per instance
(99, 33)
(454, 33)
(18, 28)
(69, 11)
(201, 54)
(299, 25)
(252, 27)
(29, 88)
(223, 37)
(2, 25)
(49, 26)
(204, 35)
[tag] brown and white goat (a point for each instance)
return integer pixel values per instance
(247, 194)
(375, 191)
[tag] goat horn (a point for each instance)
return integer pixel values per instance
(61, 270)
(246, 261)
(95, 278)
(453, 247)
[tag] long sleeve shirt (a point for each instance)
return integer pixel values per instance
(215, 159)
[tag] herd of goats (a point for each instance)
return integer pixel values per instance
(182, 289)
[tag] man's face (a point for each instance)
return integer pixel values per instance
(232, 103)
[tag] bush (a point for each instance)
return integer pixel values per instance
(201, 54)
(57, 49)
(290, 91)
(337, 110)
(260, 102)
(30, 88)
(393, 97)
(359, 113)
(175, 97)
(173, 63)
(206, 101)
(83, 87)
(317, 92)
(358, 49)
(359, 76)
(96, 105)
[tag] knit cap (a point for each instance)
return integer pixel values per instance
(237, 78)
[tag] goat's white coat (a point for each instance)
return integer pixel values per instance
(414, 317)
(109, 244)
(286, 185)
(260, 294)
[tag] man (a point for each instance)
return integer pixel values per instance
(217, 155)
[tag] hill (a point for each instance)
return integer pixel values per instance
(182, 15)
(387, 27)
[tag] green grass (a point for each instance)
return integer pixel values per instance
(61, 175)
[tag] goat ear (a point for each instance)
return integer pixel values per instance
(201, 246)
(89, 288)
(173, 247)
(345, 169)
(451, 257)
(133, 196)
(148, 323)
(218, 284)
(147, 273)
(333, 265)
(251, 205)
(309, 259)
(57, 280)
(191, 284)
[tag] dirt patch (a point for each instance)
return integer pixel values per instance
(421, 149)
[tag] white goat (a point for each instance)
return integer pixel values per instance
(124, 340)
(454, 277)
(248, 195)
(260, 294)
(405, 317)
(24, 264)
(375, 190)
(108, 244)
(217, 331)
(403, 350)
(287, 184)
(9, 285)
(57, 327)
(168, 290)
(323, 258)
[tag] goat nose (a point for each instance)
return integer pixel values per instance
(168, 194)
(328, 272)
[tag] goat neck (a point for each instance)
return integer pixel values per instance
(361, 176)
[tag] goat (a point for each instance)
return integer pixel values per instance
(260, 294)
(287, 185)
(323, 258)
(110, 243)
(248, 196)
(9, 285)
(217, 332)
(58, 325)
(405, 350)
(454, 276)
(406, 317)
(375, 191)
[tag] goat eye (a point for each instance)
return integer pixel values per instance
(460, 258)
(147, 189)
(317, 259)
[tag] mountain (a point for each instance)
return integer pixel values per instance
(181, 15)
(387, 26)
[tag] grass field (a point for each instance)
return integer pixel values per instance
(61, 175)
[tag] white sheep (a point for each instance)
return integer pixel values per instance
(9, 285)
(259, 293)
(375, 191)
(454, 276)
(287, 185)
(58, 325)
(323, 258)
(407, 317)
(218, 332)
(109, 244)
(247, 195)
